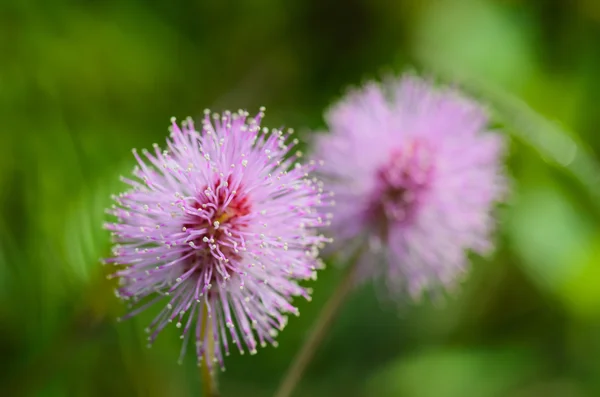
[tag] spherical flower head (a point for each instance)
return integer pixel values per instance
(415, 171)
(220, 227)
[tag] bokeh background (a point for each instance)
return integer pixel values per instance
(82, 82)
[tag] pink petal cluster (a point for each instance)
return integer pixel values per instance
(220, 227)
(416, 173)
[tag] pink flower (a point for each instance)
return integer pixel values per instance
(415, 171)
(220, 227)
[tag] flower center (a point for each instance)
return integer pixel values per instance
(401, 183)
(214, 229)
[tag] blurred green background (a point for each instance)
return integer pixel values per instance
(82, 82)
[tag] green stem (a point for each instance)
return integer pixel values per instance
(207, 374)
(317, 334)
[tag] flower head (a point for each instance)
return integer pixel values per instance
(414, 169)
(220, 227)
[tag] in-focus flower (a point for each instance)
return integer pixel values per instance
(415, 172)
(220, 227)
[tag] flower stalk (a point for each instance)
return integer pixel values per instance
(318, 332)
(207, 373)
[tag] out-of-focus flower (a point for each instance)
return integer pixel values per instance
(417, 174)
(220, 227)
